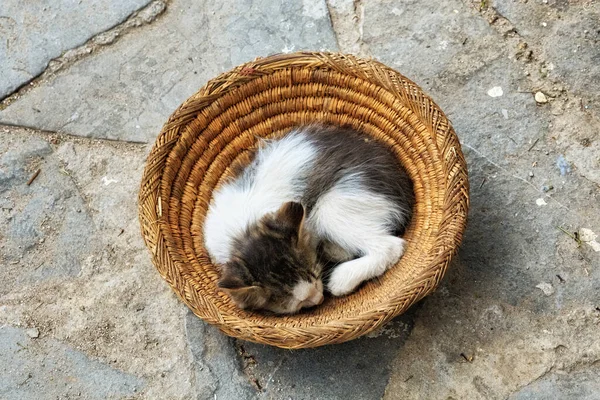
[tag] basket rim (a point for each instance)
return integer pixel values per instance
(152, 221)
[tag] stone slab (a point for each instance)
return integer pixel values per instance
(564, 37)
(581, 384)
(564, 34)
(75, 269)
(28, 364)
(34, 34)
(446, 42)
(218, 372)
(39, 222)
(127, 91)
(491, 309)
(358, 369)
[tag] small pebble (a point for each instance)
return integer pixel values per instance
(531, 174)
(33, 333)
(541, 98)
(547, 188)
(547, 288)
(563, 165)
(496, 91)
(589, 237)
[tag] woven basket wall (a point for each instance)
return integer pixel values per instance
(212, 132)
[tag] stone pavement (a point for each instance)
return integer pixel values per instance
(84, 90)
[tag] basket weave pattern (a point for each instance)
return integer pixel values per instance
(215, 129)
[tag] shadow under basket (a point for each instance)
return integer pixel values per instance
(211, 134)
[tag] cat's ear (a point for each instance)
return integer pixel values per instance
(243, 294)
(230, 279)
(231, 282)
(248, 296)
(291, 215)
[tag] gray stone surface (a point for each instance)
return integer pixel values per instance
(34, 34)
(435, 47)
(564, 37)
(217, 370)
(564, 34)
(358, 369)
(54, 218)
(516, 317)
(580, 385)
(75, 268)
(128, 91)
(27, 365)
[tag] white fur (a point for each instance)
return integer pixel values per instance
(381, 253)
(238, 205)
(349, 215)
(357, 220)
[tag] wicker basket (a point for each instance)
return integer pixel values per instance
(213, 130)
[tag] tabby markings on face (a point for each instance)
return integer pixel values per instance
(274, 267)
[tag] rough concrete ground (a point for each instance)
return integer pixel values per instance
(85, 89)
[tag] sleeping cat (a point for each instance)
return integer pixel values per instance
(318, 195)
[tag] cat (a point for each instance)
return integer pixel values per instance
(319, 195)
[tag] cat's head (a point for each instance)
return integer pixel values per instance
(274, 266)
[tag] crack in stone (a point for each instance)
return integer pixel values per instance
(589, 180)
(69, 137)
(575, 366)
(508, 173)
(521, 49)
(84, 199)
(347, 21)
(247, 364)
(581, 365)
(137, 19)
(359, 12)
(199, 359)
(541, 376)
(336, 34)
(500, 22)
(272, 374)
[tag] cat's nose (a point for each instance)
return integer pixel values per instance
(316, 296)
(320, 299)
(312, 301)
(309, 294)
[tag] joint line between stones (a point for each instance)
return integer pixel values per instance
(138, 18)
(71, 138)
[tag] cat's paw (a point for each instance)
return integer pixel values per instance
(340, 283)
